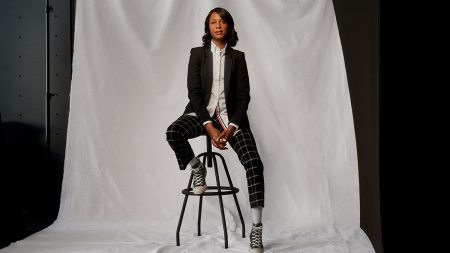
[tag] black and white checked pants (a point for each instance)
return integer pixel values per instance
(243, 143)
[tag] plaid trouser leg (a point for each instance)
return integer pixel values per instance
(177, 135)
(243, 143)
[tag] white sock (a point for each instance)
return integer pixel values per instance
(194, 162)
(257, 214)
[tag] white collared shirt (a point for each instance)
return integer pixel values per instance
(218, 88)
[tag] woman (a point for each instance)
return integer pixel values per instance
(219, 94)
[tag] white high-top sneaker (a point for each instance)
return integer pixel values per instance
(256, 245)
(199, 178)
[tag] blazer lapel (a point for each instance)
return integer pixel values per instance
(228, 67)
(209, 68)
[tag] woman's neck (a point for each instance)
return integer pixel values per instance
(220, 44)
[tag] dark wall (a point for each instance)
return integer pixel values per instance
(33, 129)
(358, 23)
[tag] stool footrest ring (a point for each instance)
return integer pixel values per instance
(224, 190)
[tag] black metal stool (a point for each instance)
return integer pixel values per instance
(220, 190)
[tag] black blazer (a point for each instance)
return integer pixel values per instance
(237, 87)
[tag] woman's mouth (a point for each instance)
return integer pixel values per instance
(220, 32)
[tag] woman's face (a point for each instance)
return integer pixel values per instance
(217, 27)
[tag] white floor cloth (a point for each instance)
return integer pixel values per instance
(122, 186)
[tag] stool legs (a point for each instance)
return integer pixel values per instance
(234, 195)
(200, 202)
(225, 233)
(199, 221)
(212, 157)
(182, 210)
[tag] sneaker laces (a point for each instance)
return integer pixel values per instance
(199, 175)
(256, 237)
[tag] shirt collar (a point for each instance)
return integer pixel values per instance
(214, 47)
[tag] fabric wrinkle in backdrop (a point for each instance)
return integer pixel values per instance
(121, 190)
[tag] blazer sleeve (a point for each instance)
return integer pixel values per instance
(242, 91)
(194, 86)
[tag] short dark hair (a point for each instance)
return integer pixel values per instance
(232, 37)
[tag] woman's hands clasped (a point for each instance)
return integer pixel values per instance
(220, 139)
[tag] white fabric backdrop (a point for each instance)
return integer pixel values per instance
(121, 187)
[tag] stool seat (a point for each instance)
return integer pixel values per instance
(216, 190)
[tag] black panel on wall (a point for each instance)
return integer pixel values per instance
(31, 183)
(22, 107)
(60, 59)
(358, 23)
